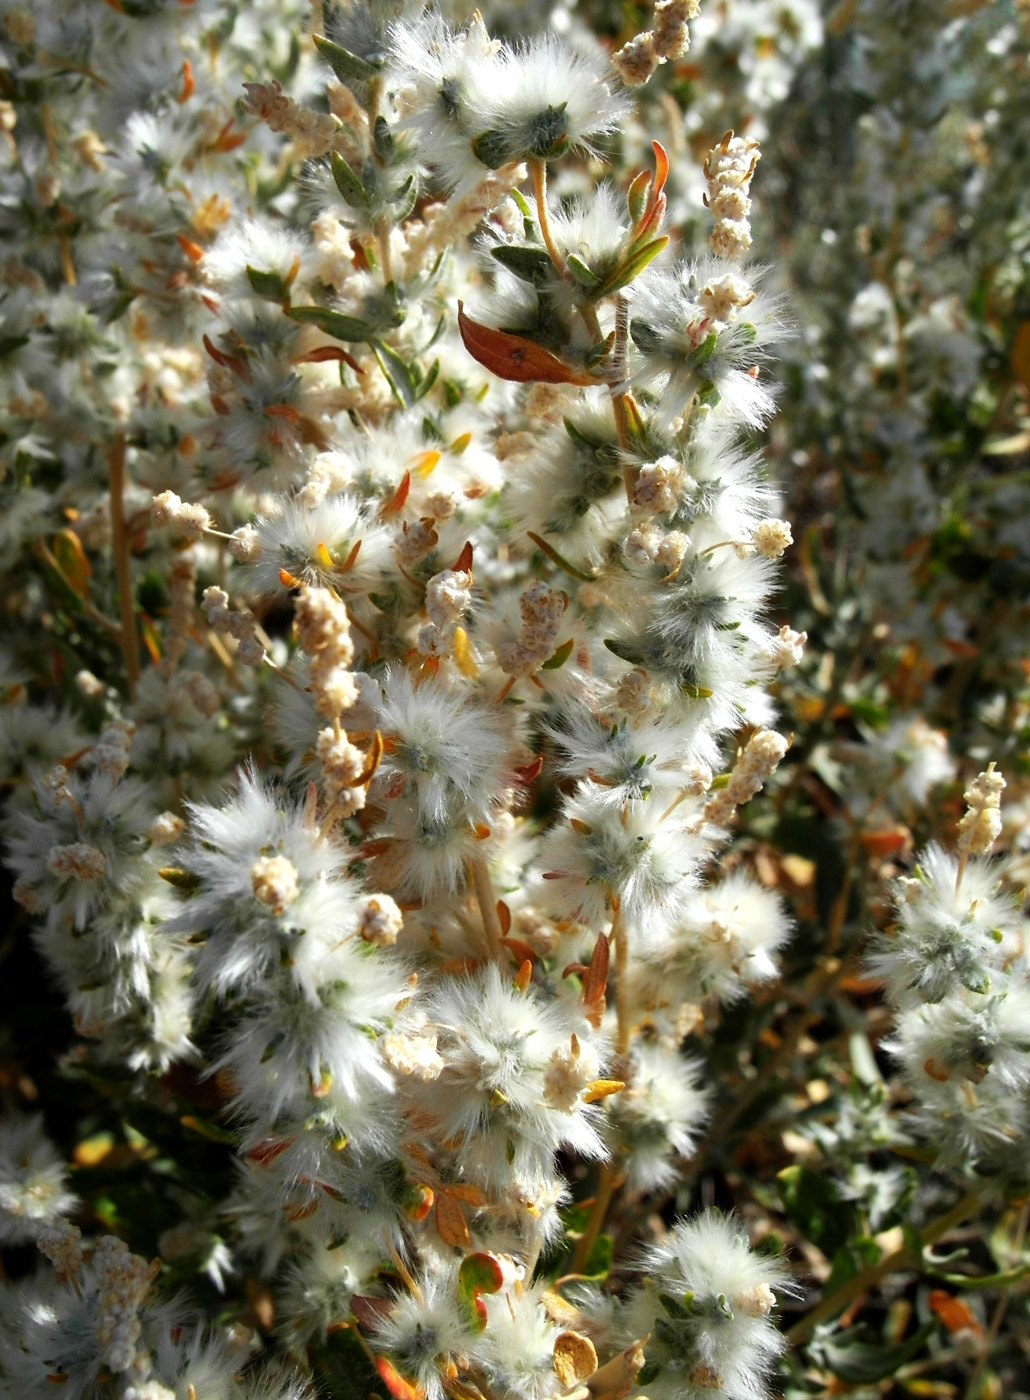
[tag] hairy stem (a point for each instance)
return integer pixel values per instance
(487, 900)
(539, 170)
(122, 568)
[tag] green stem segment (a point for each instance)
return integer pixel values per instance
(891, 1264)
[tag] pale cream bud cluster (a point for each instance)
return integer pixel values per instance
(415, 541)
(668, 39)
(166, 829)
(191, 520)
(89, 686)
(343, 766)
(759, 760)
(334, 256)
(241, 625)
(61, 1243)
(772, 537)
(448, 598)
(182, 579)
(124, 1281)
(728, 170)
(111, 751)
(787, 648)
(315, 132)
(323, 631)
(659, 486)
(541, 609)
(665, 547)
(245, 544)
(412, 1054)
(380, 920)
(274, 882)
(723, 296)
(569, 1071)
(79, 861)
(981, 826)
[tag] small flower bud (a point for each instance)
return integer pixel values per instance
(274, 881)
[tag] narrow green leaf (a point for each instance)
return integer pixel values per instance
(334, 323)
(399, 373)
(347, 66)
(269, 285)
(531, 265)
(383, 139)
(348, 183)
(559, 658)
(636, 196)
(559, 559)
(428, 380)
(625, 651)
(631, 268)
(584, 275)
(704, 351)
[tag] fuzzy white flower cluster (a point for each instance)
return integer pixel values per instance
(418, 506)
(954, 970)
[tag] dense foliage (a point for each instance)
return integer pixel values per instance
(514, 699)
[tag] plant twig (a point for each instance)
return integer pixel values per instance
(893, 1263)
(123, 572)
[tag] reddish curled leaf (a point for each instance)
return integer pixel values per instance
(504, 917)
(524, 975)
(661, 168)
(221, 358)
(322, 353)
(463, 563)
(188, 84)
(192, 250)
(514, 357)
(596, 979)
(955, 1313)
(450, 1223)
(399, 496)
(529, 772)
(395, 1383)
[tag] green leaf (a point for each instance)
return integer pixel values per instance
(531, 265)
(269, 285)
(348, 183)
(584, 275)
(636, 196)
(631, 268)
(399, 374)
(334, 323)
(559, 559)
(693, 691)
(478, 1274)
(704, 351)
(859, 1362)
(644, 337)
(625, 651)
(493, 149)
(555, 662)
(8, 343)
(347, 66)
(405, 199)
(383, 139)
(813, 1203)
(428, 380)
